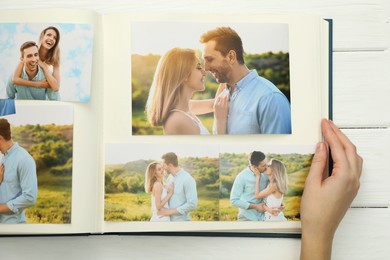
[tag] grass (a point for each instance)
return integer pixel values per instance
(54, 202)
(137, 207)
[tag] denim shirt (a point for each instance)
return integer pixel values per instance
(185, 196)
(243, 194)
(257, 106)
(33, 93)
(19, 188)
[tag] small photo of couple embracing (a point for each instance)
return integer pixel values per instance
(143, 182)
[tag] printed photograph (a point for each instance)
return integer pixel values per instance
(7, 107)
(161, 183)
(262, 183)
(36, 165)
(46, 61)
(210, 78)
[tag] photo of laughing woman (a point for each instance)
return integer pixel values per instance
(48, 63)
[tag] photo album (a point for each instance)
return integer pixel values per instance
(159, 123)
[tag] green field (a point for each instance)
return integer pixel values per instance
(54, 200)
(137, 207)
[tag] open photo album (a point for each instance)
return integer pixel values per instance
(159, 123)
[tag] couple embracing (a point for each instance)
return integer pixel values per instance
(259, 189)
(175, 198)
(245, 102)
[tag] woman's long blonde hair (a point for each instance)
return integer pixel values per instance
(172, 70)
(150, 176)
(279, 174)
(53, 55)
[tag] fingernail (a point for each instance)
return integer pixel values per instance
(320, 146)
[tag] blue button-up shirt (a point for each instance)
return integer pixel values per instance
(243, 194)
(185, 196)
(257, 106)
(7, 107)
(34, 93)
(19, 188)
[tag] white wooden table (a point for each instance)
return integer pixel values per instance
(361, 108)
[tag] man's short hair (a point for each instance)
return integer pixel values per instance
(256, 157)
(226, 39)
(27, 45)
(5, 129)
(170, 158)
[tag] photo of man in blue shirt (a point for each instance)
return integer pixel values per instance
(257, 106)
(242, 194)
(7, 107)
(32, 72)
(185, 197)
(18, 178)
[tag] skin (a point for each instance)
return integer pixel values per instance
(178, 123)
(326, 199)
(158, 188)
(172, 170)
(225, 69)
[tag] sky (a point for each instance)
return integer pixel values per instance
(278, 149)
(123, 153)
(48, 114)
(159, 37)
(76, 43)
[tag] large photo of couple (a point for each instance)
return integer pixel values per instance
(210, 78)
(36, 162)
(46, 61)
(146, 182)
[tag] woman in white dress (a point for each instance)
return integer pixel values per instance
(179, 74)
(154, 176)
(49, 61)
(275, 190)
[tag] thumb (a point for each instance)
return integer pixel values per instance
(318, 165)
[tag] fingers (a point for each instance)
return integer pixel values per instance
(350, 149)
(335, 145)
(318, 166)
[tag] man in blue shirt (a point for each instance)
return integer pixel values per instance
(32, 72)
(185, 197)
(7, 107)
(257, 106)
(18, 187)
(243, 190)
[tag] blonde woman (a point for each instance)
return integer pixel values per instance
(154, 184)
(49, 61)
(275, 190)
(178, 76)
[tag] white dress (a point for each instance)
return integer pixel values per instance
(202, 129)
(155, 217)
(271, 201)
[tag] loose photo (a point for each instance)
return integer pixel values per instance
(46, 61)
(36, 154)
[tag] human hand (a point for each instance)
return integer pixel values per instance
(43, 84)
(221, 107)
(326, 199)
(256, 171)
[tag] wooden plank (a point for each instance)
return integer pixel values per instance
(360, 236)
(373, 145)
(358, 24)
(361, 89)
